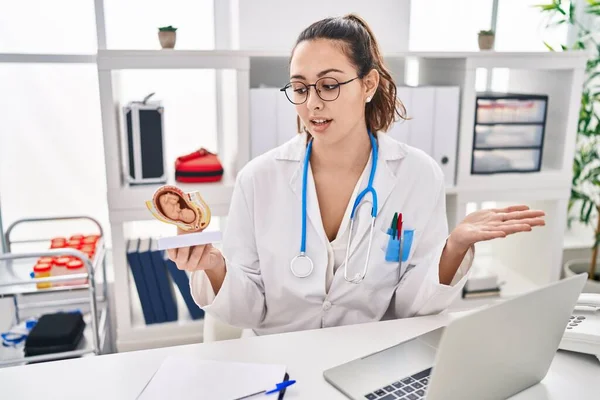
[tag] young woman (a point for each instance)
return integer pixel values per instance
(289, 261)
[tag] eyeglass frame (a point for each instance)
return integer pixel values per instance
(308, 86)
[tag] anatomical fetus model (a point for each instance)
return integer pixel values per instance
(186, 210)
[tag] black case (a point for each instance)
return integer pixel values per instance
(144, 143)
(55, 333)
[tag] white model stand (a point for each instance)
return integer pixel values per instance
(190, 239)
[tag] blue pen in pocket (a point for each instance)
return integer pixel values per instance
(399, 245)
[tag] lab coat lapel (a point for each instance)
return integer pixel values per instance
(313, 211)
(384, 183)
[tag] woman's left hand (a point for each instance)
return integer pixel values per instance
(494, 223)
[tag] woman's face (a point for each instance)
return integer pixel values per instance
(330, 121)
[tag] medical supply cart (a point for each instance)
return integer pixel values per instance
(35, 296)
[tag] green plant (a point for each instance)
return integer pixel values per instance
(167, 29)
(585, 188)
(486, 32)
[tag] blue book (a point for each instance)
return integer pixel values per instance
(164, 283)
(140, 282)
(151, 281)
(182, 281)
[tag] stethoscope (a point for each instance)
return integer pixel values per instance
(305, 261)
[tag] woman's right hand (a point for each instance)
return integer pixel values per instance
(197, 258)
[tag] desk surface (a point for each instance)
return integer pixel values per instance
(306, 354)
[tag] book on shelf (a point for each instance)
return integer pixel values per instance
(156, 280)
(491, 292)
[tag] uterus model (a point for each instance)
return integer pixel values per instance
(187, 211)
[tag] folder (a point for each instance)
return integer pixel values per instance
(145, 258)
(400, 130)
(165, 287)
(445, 131)
(263, 122)
(421, 128)
(181, 279)
(137, 271)
(287, 123)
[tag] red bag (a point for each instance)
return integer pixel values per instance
(199, 166)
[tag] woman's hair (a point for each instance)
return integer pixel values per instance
(360, 46)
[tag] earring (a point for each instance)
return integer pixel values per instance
(368, 99)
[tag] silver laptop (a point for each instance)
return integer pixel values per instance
(492, 353)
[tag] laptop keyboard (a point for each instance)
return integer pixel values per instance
(410, 388)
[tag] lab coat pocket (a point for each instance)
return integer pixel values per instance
(386, 264)
(398, 251)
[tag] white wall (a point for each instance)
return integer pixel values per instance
(274, 25)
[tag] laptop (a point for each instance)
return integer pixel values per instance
(491, 353)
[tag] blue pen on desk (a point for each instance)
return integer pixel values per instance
(279, 387)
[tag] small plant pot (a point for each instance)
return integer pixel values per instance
(575, 267)
(167, 39)
(486, 42)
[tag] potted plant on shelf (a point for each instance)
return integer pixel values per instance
(584, 203)
(486, 39)
(167, 35)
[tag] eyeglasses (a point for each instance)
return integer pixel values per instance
(328, 89)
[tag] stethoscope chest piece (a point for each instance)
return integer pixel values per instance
(301, 266)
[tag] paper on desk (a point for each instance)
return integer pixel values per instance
(187, 377)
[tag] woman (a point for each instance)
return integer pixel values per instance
(345, 98)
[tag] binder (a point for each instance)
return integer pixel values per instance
(150, 278)
(155, 278)
(182, 281)
(400, 130)
(165, 286)
(421, 128)
(445, 130)
(287, 122)
(137, 271)
(263, 122)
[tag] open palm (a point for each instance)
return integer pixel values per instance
(496, 223)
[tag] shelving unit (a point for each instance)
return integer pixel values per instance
(559, 75)
(32, 301)
(524, 260)
(127, 203)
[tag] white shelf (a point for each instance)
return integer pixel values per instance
(511, 283)
(543, 185)
(48, 58)
(133, 198)
(171, 59)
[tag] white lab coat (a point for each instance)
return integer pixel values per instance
(263, 234)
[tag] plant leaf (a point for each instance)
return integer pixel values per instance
(548, 46)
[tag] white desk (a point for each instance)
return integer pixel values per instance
(307, 354)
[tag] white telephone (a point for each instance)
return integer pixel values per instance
(582, 333)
